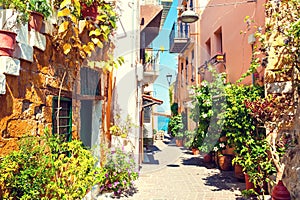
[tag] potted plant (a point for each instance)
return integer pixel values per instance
(39, 9)
(179, 138)
(89, 9)
(120, 130)
(251, 147)
(17, 15)
(224, 161)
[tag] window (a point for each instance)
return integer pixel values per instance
(193, 66)
(89, 82)
(208, 48)
(147, 114)
(62, 117)
(219, 41)
(186, 70)
(181, 73)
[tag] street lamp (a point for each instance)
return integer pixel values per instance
(189, 16)
(169, 78)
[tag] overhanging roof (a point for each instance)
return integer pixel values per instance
(151, 101)
(151, 19)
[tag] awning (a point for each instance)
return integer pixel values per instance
(150, 101)
(150, 25)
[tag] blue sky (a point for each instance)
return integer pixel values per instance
(168, 65)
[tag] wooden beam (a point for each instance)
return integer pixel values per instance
(161, 114)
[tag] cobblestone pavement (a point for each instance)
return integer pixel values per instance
(183, 178)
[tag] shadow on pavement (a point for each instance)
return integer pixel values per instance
(220, 180)
(192, 161)
(173, 165)
(150, 160)
(151, 148)
(224, 180)
(197, 161)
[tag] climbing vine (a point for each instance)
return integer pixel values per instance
(79, 36)
(277, 50)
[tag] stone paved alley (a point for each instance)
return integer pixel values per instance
(177, 174)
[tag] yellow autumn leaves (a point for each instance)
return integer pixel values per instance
(70, 12)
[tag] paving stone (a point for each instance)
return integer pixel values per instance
(186, 181)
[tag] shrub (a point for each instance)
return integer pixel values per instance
(46, 167)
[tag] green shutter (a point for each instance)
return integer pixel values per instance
(89, 82)
(65, 117)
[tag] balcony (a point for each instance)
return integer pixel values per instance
(151, 72)
(179, 37)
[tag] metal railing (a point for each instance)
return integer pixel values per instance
(179, 30)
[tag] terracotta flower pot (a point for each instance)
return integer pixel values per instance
(228, 150)
(8, 41)
(207, 158)
(195, 151)
(35, 21)
(238, 172)
(249, 185)
(225, 162)
(257, 189)
(179, 142)
(89, 11)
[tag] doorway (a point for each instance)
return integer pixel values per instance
(86, 119)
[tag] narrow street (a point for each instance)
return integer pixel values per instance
(177, 174)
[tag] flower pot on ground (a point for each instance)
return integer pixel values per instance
(195, 151)
(8, 41)
(249, 185)
(179, 142)
(207, 158)
(238, 172)
(225, 162)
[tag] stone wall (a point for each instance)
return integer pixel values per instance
(291, 175)
(28, 82)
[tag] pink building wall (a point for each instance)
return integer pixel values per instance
(227, 17)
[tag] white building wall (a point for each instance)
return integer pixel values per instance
(127, 91)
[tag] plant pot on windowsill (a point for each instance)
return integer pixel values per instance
(89, 11)
(35, 21)
(7, 44)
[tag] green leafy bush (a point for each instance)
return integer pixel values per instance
(48, 168)
(176, 125)
(41, 6)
